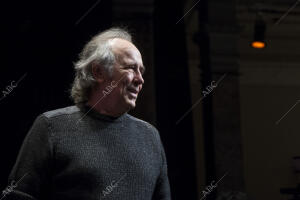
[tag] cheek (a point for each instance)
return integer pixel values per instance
(129, 76)
(124, 82)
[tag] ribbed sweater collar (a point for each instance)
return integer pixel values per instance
(88, 110)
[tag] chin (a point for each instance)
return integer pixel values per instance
(131, 104)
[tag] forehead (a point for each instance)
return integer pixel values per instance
(125, 51)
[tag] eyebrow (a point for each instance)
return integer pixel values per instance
(143, 69)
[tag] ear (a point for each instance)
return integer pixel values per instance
(98, 73)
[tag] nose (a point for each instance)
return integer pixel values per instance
(138, 79)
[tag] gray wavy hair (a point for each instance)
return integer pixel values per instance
(97, 51)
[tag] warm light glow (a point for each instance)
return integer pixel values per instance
(258, 44)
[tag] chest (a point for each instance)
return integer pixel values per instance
(102, 157)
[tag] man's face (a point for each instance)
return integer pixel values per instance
(127, 74)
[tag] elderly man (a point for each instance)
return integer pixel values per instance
(95, 150)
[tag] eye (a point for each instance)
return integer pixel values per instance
(130, 67)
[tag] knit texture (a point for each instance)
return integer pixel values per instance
(79, 154)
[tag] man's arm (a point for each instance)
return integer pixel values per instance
(162, 189)
(31, 174)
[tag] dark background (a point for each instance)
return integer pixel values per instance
(42, 39)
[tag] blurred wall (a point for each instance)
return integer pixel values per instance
(269, 88)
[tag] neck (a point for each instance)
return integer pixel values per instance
(105, 105)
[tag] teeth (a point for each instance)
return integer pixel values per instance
(132, 90)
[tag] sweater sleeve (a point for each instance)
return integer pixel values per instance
(31, 173)
(162, 188)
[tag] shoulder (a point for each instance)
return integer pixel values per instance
(61, 112)
(145, 125)
(61, 117)
(141, 122)
(50, 121)
(151, 130)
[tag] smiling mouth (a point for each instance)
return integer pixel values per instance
(133, 92)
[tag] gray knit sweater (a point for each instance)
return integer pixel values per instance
(71, 155)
